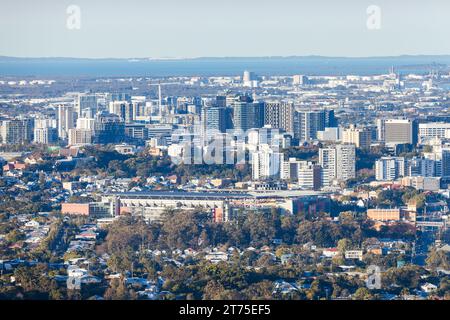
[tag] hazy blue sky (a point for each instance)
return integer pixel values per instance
(194, 28)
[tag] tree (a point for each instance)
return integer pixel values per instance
(34, 281)
(320, 288)
(126, 236)
(116, 290)
(259, 291)
(407, 276)
(215, 291)
(322, 233)
(260, 228)
(14, 236)
(362, 294)
(438, 259)
(427, 149)
(182, 229)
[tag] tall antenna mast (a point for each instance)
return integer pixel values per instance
(160, 99)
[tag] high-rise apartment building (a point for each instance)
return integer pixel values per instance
(65, 118)
(390, 168)
(123, 109)
(109, 128)
(215, 118)
(361, 137)
(380, 129)
(346, 161)
(299, 79)
(308, 123)
(80, 137)
(305, 174)
(16, 131)
(279, 115)
(45, 131)
(249, 79)
(338, 163)
(248, 115)
(441, 160)
(420, 167)
(86, 123)
(266, 163)
(86, 105)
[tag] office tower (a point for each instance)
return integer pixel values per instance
(289, 169)
(248, 115)
(118, 97)
(160, 130)
(248, 77)
(309, 176)
(109, 128)
(80, 137)
(346, 161)
(330, 119)
(431, 130)
(136, 131)
(216, 119)
(267, 135)
(327, 160)
(86, 105)
(45, 123)
(65, 118)
(338, 163)
(305, 174)
(266, 164)
(86, 123)
(390, 168)
(279, 115)
(45, 131)
(445, 163)
(139, 109)
(17, 131)
(172, 101)
(380, 129)
(420, 167)
(197, 101)
(308, 123)
(299, 80)
(400, 131)
(361, 137)
(330, 134)
(45, 135)
(123, 109)
(441, 160)
(221, 101)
